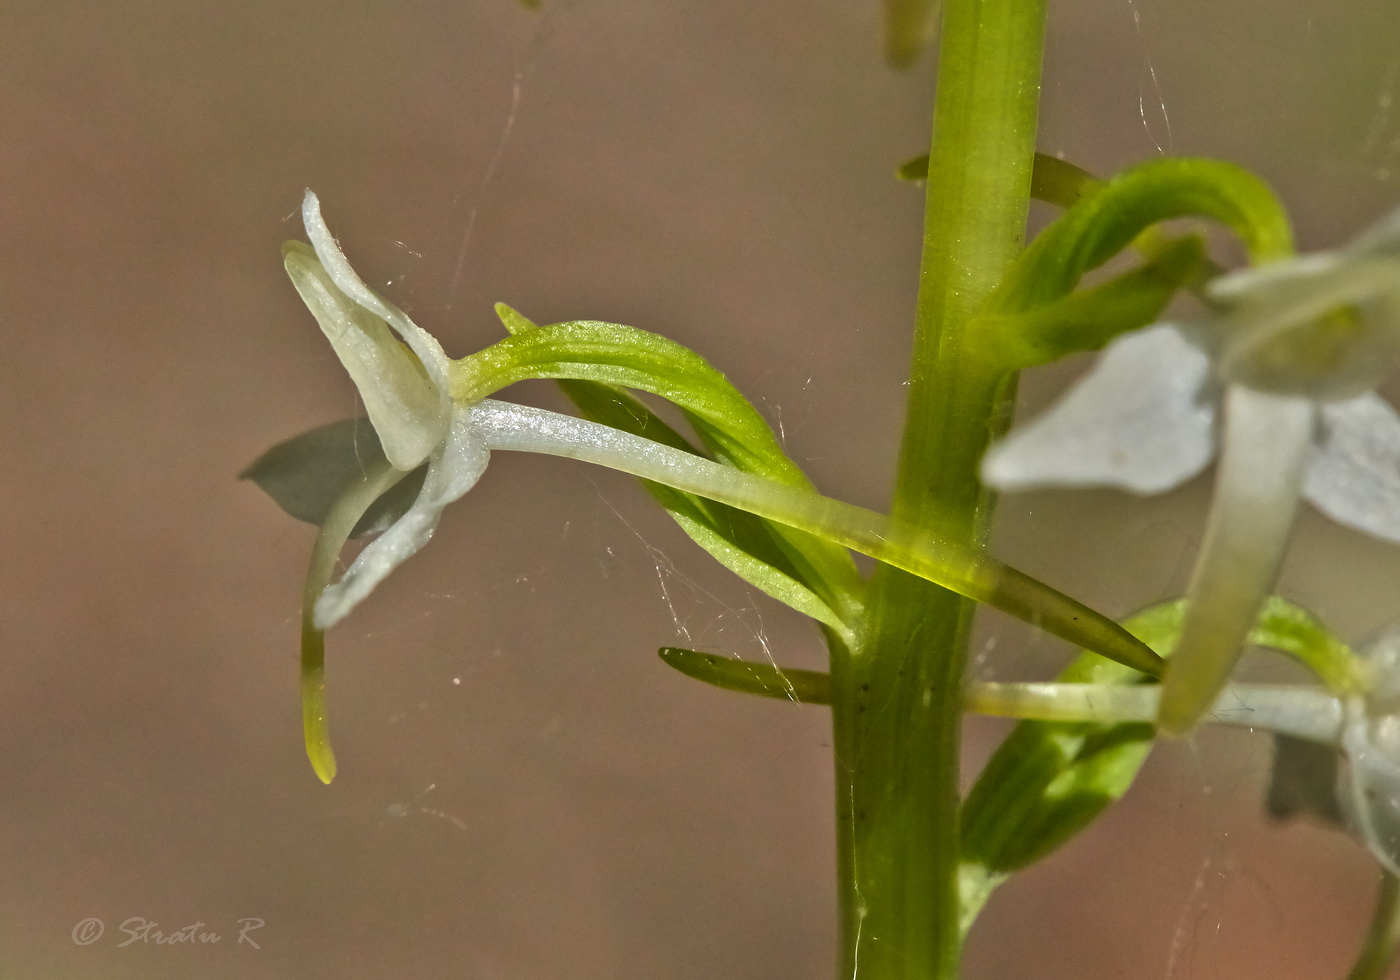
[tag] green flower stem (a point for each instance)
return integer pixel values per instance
(897, 708)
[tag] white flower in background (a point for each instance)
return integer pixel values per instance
(405, 393)
(1369, 787)
(1284, 368)
(1356, 786)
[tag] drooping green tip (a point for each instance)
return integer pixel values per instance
(313, 702)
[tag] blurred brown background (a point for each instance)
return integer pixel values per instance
(525, 791)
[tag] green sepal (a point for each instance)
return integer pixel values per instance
(910, 27)
(1124, 210)
(1116, 211)
(1049, 780)
(801, 571)
(750, 677)
(306, 474)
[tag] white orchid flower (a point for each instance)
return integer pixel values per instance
(1359, 720)
(405, 393)
(1284, 368)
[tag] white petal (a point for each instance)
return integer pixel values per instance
(452, 471)
(1139, 421)
(1354, 473)
(404, 406)
(422, 343)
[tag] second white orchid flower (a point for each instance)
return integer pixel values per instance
(1284, 369)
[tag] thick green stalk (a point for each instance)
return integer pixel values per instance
(897, 710)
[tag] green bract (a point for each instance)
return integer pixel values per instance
(1036, 316)
(799, 570)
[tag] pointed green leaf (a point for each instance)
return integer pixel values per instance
(747, 677)
(610, 354)
(1048, 781)
(1109, 216)
(1116, 211)
(1087, 319)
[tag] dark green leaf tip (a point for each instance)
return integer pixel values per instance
(749, 677)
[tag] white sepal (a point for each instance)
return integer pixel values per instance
(1139, 421)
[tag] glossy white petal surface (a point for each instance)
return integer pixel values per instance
(1354, 472)
(1140, 421)
(402, 403)
(337, 266)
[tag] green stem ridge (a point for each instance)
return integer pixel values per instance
(898, 850)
